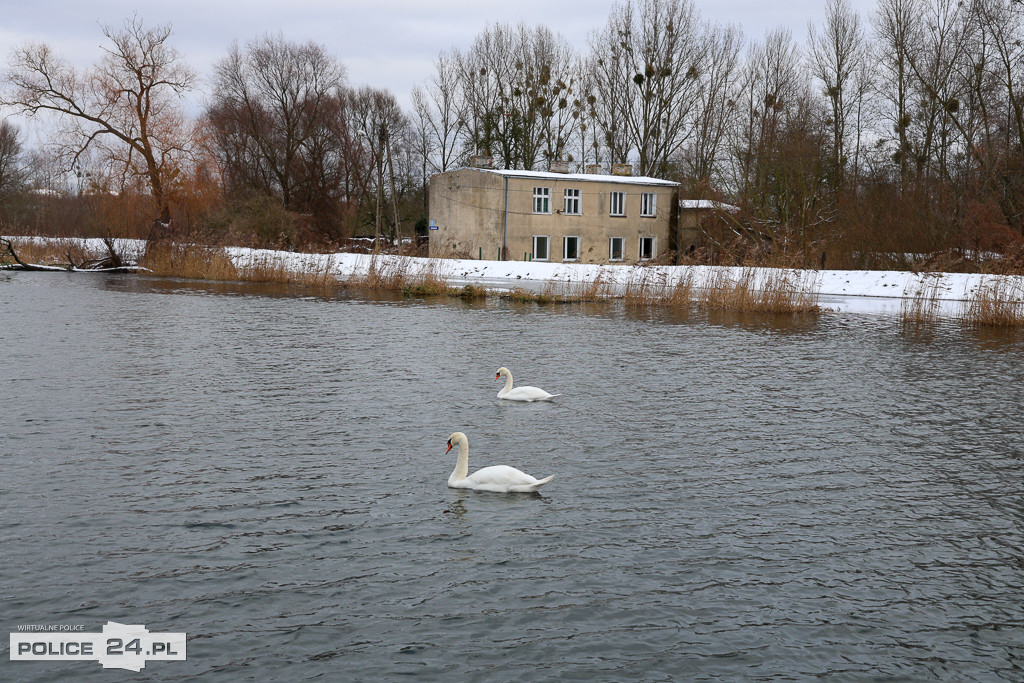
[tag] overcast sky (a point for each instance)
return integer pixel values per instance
(384, 43)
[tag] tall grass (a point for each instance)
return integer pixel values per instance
(921, 307)
(316, 273)
(563, 292)
(758, 291)
(998, 302)
(776, 291)
(194, 262)
(576, 291)
(749, 290)
(653, 288)
(391, 274)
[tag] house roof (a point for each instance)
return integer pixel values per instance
(581, 177)
(706, 205)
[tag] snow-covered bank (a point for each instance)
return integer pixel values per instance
(843, 290)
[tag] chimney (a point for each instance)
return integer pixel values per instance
(622, 169)
(482, 161)
(595, 169)
(558, 166)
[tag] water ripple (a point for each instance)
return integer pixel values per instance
(733, 498)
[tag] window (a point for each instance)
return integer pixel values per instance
(570, 248)
(646, 248)
(572, 202)
(540, 247)
(615, 248)
(648, 204)
(617, 204)
(542, 200)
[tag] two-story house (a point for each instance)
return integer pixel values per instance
(480, 212)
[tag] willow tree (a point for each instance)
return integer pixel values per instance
(126, 111)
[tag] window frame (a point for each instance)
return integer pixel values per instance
(649, 204)
(572, 196)
(622, 249)
(653, 251)
(617, 200)
(547, 247)
(542, 194)
(565, 247)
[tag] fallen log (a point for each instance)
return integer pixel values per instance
(109, 264)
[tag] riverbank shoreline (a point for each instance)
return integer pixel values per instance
(860, 291)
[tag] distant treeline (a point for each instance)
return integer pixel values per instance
(869, 139)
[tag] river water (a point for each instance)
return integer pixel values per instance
(734, 498)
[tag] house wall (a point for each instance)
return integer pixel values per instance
(468, 207)
(689, 228)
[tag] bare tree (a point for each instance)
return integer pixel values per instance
(896, 23)
(971, 71)
(12, 173)
(837, 55)
(380, 122)
(716, 94)
(999, 90)
(519, 93)
(436, 108)
(646, 63)
(126, 109)
(485, 71)
(770, 90)
(270, 105)
(777, 142)
(942, 39)
(553, 83)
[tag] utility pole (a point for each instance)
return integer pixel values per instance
(380, 182)
(394, 198)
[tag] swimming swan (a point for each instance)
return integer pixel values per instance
(499, 478)
(520, 393)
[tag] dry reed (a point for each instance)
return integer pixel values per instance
(998, 302)
(653, 288)
(389, 274)
(778, 291)
(576, 291)
(921, 308)
(190, 261)
(313, 273)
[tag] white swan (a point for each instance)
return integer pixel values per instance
(520, 393)
(499, 478)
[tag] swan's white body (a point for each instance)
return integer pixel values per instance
(499, 478)
(520, 393)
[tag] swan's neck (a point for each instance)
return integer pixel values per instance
(462, 464)
(508, 384)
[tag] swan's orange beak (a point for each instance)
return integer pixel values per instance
(449, 446)
(497, 376)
